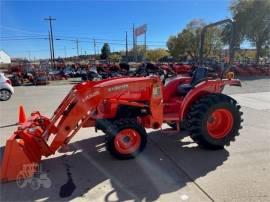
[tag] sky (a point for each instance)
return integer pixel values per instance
(24, 32)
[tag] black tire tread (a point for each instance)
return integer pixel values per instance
(117, 125)
(4, 89)
(198, 111)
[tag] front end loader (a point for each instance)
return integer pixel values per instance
(89, 104)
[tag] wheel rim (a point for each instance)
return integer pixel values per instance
(220, 123)
(4, 94)
(127, 141)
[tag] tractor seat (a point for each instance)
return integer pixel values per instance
(199, 75)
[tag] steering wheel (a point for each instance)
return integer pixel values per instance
(169, 73)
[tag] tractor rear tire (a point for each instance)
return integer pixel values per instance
(125, 138)
(214, 121)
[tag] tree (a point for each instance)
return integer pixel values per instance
(187, 42)
(156, 54)
(105, 51)
(252, 19)
(115, 57)
(140, 52)
(175, 46)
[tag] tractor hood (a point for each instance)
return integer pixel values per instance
(124, 87)
(117, 81)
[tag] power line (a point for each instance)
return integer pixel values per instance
(75, 38)
(99, 42)
(23, 39)
(84, 41)
(20, 36)
(41, 50)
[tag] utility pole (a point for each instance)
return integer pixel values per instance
(51, 36)
(145, 51)
(145, 41)
(77, 44)
(29, 55)
(95, 48)
(50, 45)
(134, 44)
(65, 51)
(127, 45)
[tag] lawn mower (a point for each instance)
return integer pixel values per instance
(123, 108)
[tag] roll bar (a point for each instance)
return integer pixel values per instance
(232, 40)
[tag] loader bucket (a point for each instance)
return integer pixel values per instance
(18, 160)
(24, 148)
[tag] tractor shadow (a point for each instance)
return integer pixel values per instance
(88, 171)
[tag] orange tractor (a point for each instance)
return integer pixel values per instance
(122, 108)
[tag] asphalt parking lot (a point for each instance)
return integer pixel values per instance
(172, 168)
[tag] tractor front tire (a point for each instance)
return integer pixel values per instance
(125, 138)
(214, 121)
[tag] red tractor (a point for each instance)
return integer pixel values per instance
(123, 108)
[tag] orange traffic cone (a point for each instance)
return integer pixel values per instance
(22, 116)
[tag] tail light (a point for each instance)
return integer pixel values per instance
(8, 81)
